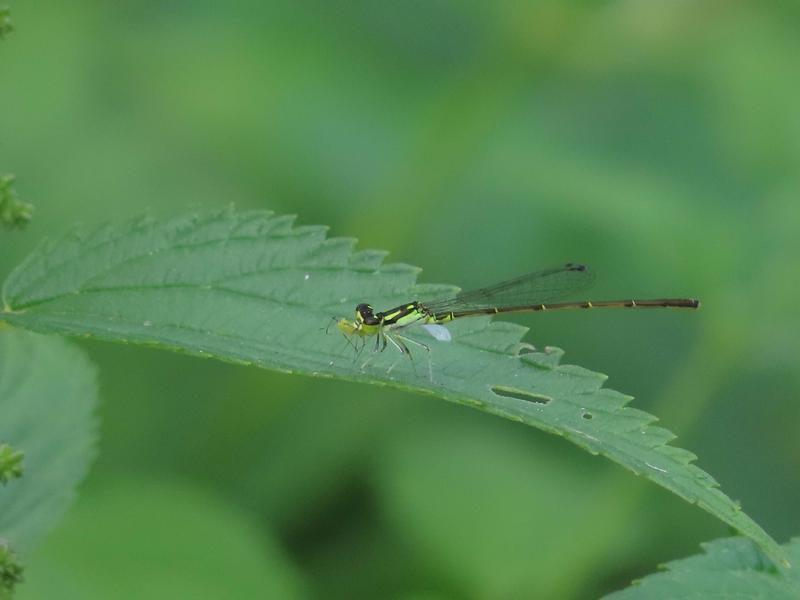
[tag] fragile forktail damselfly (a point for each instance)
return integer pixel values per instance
(536, 291)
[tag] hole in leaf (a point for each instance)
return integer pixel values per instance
(587, 416)
(517, 394)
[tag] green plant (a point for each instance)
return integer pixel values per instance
(730, 568)
(47, 401)
(252, 288)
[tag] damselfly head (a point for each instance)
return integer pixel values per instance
(366, 315)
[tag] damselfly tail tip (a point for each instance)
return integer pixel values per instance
(685, 303)
(675, 303)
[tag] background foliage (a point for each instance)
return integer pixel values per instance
(657, 142)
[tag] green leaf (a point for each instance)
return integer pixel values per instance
(251, 288)
(47, 399)
(730, 568)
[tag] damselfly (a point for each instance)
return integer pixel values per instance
(532, 292)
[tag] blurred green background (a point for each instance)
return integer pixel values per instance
(658, 142)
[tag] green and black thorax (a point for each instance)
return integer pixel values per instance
(400, 316)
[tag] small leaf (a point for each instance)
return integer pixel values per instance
(730, 568)
(47, 400)
(10, 463)
(253, 289)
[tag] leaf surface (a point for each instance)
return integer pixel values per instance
(47, 401)
(252, 288)
(730, 568)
